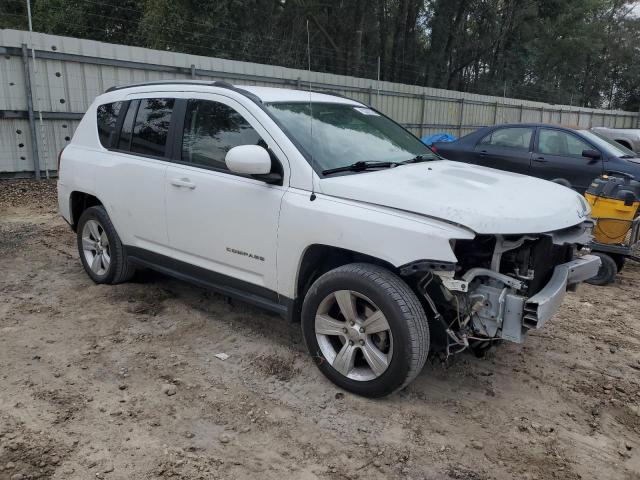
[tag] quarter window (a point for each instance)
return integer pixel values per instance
(516, 137)
(211, 129)
(152, 126)
(107, 122)
(557, 142)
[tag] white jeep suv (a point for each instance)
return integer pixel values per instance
(322, 209)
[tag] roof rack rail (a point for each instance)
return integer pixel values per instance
(215, 83)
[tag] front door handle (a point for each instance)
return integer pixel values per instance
(484, 153)
(540, 160)
(183, 183)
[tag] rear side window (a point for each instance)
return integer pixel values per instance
(211, 129)
(107, 122)
(152, 126)
(124, 141)
(518, 138)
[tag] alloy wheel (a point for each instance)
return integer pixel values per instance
(354, 335)
(95, 246)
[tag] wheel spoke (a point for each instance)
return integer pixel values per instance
(325, 325)
(376, 323)
(93, 228)
(95, 264)
(104, 239)
(88, 244)
(345, 358)
(375, 358)
(104, 261)
(347, 303)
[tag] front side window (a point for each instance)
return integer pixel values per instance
(107, 121)
(211, 129)
(515, 137)
(152, 126)
(557, 142)
(333, 135)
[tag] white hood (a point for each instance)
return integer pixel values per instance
(482, 199)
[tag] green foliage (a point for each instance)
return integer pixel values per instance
(583, 52)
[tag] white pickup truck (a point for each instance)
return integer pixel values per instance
(627, 137)
(324, 210)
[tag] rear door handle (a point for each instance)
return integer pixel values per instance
(484, 153)
(540, 160)
(183, 183)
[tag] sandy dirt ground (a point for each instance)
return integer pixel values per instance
(122, 383)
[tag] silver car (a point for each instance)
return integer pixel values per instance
(627, 137)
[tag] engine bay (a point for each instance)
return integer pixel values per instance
(493, 291)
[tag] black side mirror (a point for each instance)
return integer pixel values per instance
(591, 154)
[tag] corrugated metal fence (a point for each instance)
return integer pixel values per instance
(68, 73)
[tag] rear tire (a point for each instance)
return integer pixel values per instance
(368, 358)
(607, 272)
(101, 251)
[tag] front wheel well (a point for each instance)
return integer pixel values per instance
(79, 202)
(318, 260)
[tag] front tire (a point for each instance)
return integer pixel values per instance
(101, 251)
(366, 329)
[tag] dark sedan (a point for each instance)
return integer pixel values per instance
(563, 155)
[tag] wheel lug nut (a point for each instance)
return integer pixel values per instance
(362, 343)
(352, 323)
(351, 342)
(361, 330)
(344, 330)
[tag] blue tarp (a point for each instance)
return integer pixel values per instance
(438, 137)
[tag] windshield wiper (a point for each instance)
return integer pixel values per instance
(359, 167)
(417, 159)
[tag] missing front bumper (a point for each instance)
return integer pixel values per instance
(544, 304)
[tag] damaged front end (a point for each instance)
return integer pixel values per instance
(502, 285)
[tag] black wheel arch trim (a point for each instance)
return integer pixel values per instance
(423, 266)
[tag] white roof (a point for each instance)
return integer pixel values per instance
(271, 94)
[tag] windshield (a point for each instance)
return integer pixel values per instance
(346, 134)
(610, 146)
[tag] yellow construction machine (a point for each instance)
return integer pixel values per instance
(615, 208)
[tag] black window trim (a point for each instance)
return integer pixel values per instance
(121, 117)
(121, 124)
(177, 135)
(568, 132)
(167, 149)
(173, 152)
(122, 114)
(501, 127)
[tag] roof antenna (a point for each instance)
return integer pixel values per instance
(313, 191)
